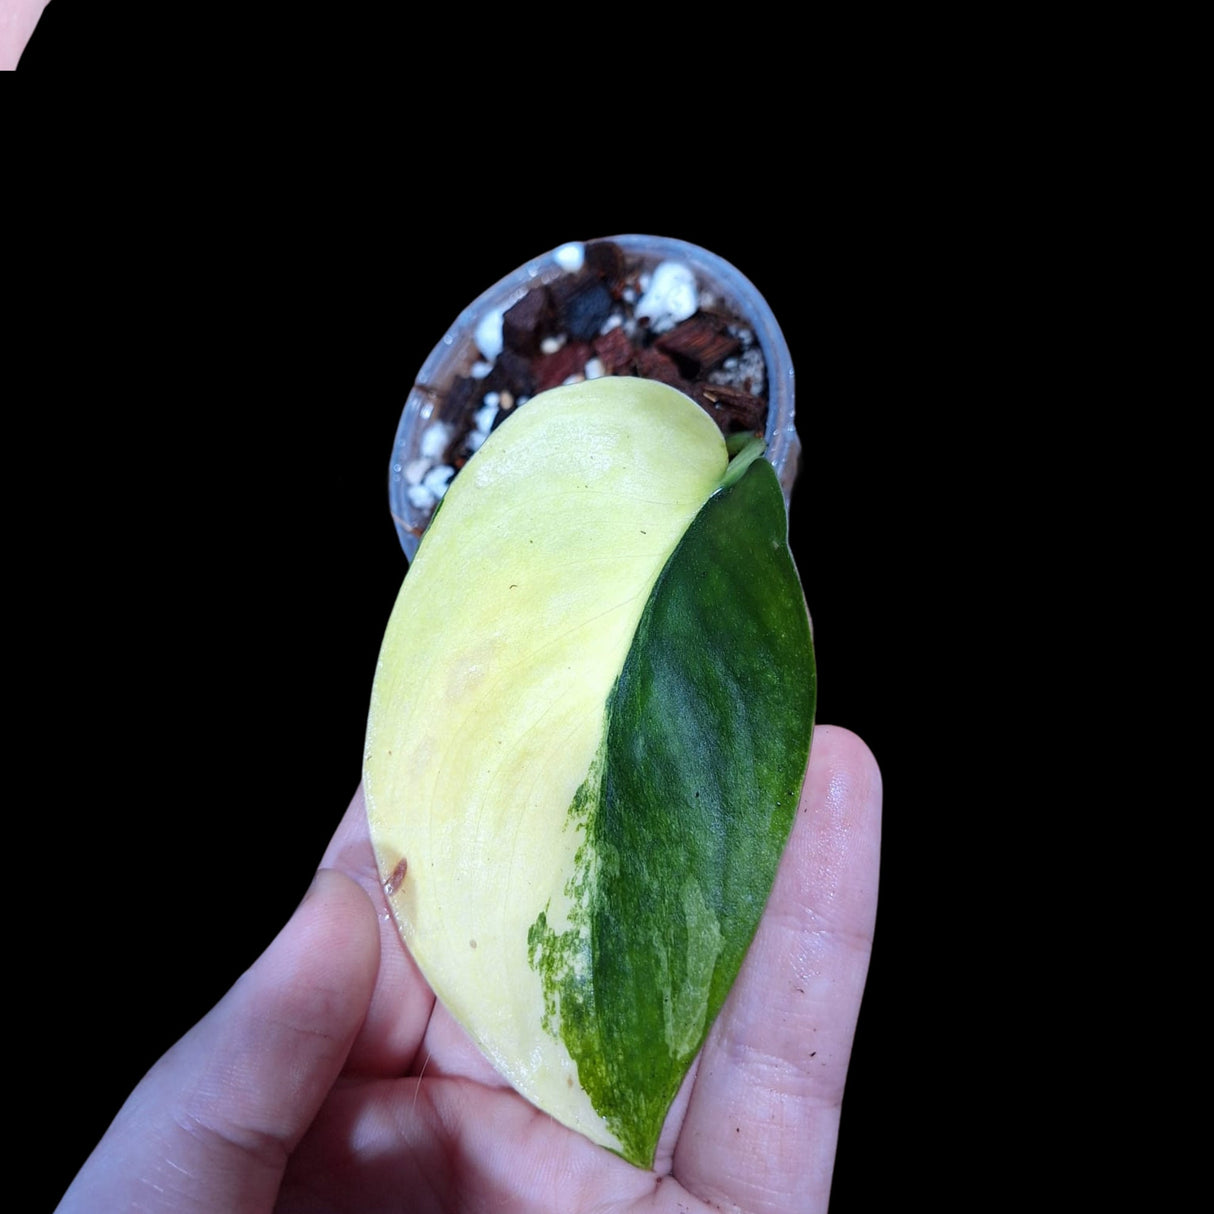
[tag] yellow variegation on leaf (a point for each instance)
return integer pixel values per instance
(588, 731)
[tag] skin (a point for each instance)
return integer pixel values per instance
(17, 21)
(328, 1079)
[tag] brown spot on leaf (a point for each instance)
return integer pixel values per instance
(397, 879)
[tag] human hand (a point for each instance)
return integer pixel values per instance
(17, 21)
(329, 1079)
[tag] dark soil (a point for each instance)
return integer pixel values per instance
(584, 324)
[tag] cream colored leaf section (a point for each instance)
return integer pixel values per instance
(488, 705)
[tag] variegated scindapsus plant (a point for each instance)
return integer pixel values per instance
(589, 727)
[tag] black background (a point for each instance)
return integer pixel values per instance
(222, 325)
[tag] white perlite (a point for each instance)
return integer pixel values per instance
(570, 257)
(489, 334)
(671, 297)
(435, 440)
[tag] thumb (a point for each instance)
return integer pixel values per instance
(212, 1124)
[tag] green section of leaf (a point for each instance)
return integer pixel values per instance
(487, 711)
(707, 741)
(564, 958)
(742, 455)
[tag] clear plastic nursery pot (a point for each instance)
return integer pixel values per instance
(421, 465)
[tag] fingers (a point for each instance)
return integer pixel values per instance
(212, 1124)
(405, 1032)
(17, 21)
(396, 1022)
(762, 1122)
